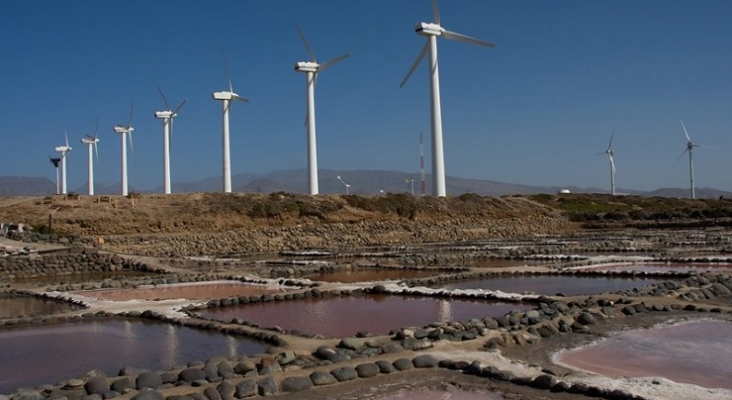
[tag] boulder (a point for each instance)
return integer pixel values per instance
(296, 384)
(192, 374)
(150, 380)
(320, 378)
(226, 389)
(148, 394)
(245, 388)
(211, 393)
(267, 386)
(425, 361)
(367, 370)
(344, 374)
(403, 364)
(123, 385)
(97, 385)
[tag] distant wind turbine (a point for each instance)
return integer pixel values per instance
(689, 147)
(432, 31)
(126, 132)
(311, 69)
(55, 162)
(226, 97)
(348, 187)
(610, 154)
(92, 141)
(64, 151)
(167, 117)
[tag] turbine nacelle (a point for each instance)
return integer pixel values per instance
(90, 140)
(123, 129)
(307, 66)
(164, 114)
(63, 149)
(428, 29)
(227, 96)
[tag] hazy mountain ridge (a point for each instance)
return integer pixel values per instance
(362, 182)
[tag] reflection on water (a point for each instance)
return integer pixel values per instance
(371, 274)
(35, 355)
(198, 291)
(651, 267)
(695, 352)
(15, 305)
(553, 284)
(345, 316)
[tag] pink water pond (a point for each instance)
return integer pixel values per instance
(197, 291)
(15, 305)
(696, 352)
(377, 314)
(570, 285)
(33, 355)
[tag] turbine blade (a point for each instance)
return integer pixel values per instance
(132, 147)
(96, 128)
(236, 97)
(682, 154)
(333, 62)
(179, 107)
(612, 164)
(167, 106)
(228, 73)
(305, 42)
(66, 136)
(685, 132)
(466, 39)
(436, 11)
(416, 63)
(96, 151)
(610, 146)
(170, 139)
(132, 109)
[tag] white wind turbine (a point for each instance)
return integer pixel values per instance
(348, 187)
(167, 117)
(610, 154)
(126, 132)
(92, 141)
(63, 150)
(689, 147)
(311, 69)
(226, 98)
(55, 162)
(432, 31)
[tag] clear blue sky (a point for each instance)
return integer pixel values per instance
(536, 110)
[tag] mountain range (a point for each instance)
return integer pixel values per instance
(362, 182)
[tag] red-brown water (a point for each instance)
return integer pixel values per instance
(365, 275)
(655, 267)
(553, 284)
(345, 316)
(697, 352)
(36, 355)
(198, 291)
(15, 305)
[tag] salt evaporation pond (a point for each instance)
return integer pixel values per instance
(696, 352)
(345, 316)
(371, 274)
(16, 305)
(553, 284)
(449, 394)
(81, 277)
(191, 291)
(666, 268)
(41, 354)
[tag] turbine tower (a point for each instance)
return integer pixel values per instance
(311, 69)
(63, 150)
(90, 141)
(610, 154)
(432, 31)
(126, 132)
(55, 162)
(167, 117)
(226, 97)
(689, 147)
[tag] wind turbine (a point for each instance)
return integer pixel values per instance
(610, 154)
(226, 98)
(311, 69)
(55, 162)
(63, 150)
(432, 31)
(167, 117)
(126, 132)
(689, 147)
(89, 141)
(348, 187)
